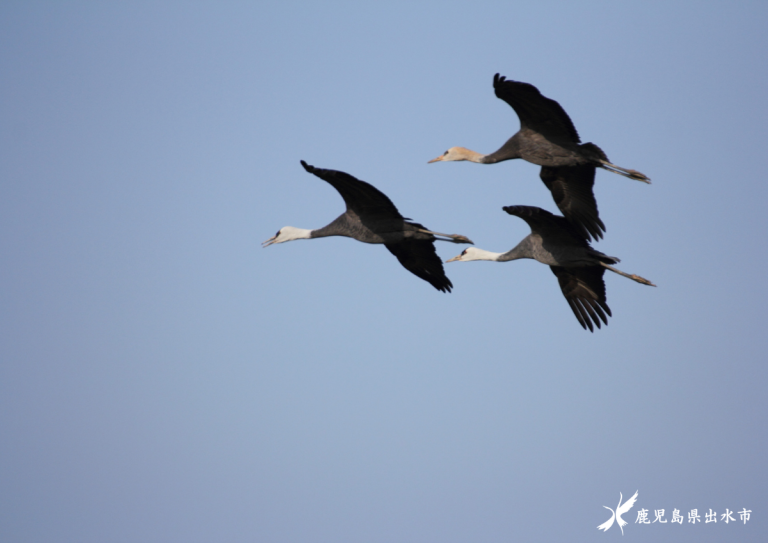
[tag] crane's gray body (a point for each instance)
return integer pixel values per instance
(381, 231)
(536, 148)
(562, 248)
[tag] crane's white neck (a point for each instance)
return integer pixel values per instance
(289, 233)
(473, 253)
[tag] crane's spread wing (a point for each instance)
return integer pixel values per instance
(536, 112)
(419, 258)
(571, 188)
(547, 225)
(608, 523)
(627, 505)
(362, 198)
(584, 290)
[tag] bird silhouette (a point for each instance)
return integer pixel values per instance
(620, 510)
(371, 217)
(578, 267)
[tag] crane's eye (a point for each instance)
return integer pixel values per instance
(278, 232)
(445, 153)
(463, 252)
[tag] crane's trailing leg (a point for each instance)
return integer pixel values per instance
(634, 277)
(455, 238)
(632, 174)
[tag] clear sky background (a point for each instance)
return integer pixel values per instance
(163, 378)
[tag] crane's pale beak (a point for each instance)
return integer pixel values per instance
(454, 259)
(438, 159)
(270, 241)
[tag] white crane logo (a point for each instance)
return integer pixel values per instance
(620, 510)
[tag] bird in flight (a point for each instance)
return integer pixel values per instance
(546, 137)
(371, 217)
(578, 267)
(620, 510)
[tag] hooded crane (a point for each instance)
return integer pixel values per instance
(548, 138)
(578, 267)
(371, 217)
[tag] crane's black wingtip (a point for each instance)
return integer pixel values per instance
(510, 209)
(307, 167)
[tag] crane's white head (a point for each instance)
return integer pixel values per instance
(287, 233)
(457, 153)
(473, 253)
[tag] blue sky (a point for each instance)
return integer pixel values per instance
(163, 378)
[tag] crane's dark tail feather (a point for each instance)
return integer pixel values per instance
(602, 257)
(594, 152)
